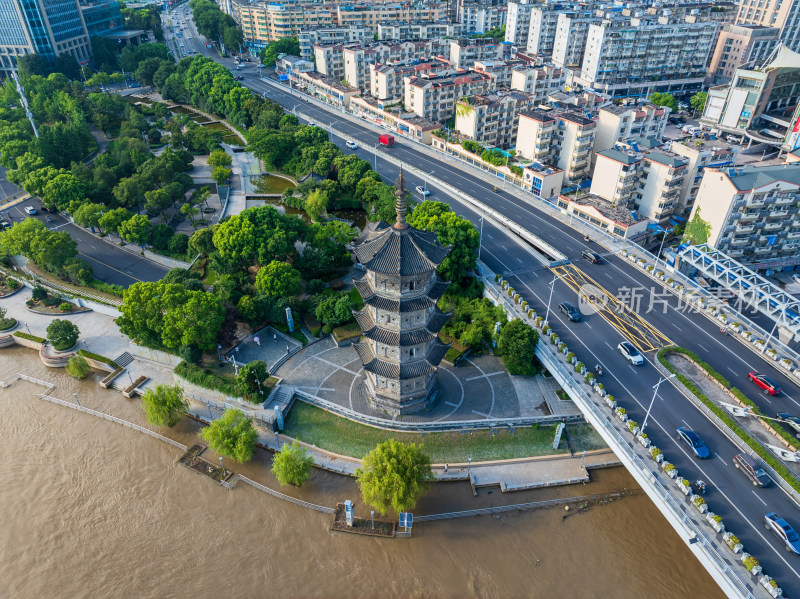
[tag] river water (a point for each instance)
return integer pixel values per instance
(92, 509)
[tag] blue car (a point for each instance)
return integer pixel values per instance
(693, 442)
(781, 529)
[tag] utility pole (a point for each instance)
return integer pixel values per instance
(24, 102)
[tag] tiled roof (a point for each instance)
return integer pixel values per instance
(403, 339)
(394, 370)
(437, 320)
(396, 305)
(437, 351)
(406, 251)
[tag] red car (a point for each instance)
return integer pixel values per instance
(766, 383)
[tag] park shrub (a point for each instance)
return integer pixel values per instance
(51, 302)
(578, 366)
(725, 416)
(346, 331)
(78, 367)
(33, 338)
(99, 358)
(190, 353)
(12, 284)
(203, 377)
(39, 293)
(65, 306)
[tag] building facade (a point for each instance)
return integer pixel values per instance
(308, 38)
(102, 17)
(418, 31)
(477, 17)
(752, 212)
(464, 52)
(561, 138)
(357, 58)
(571, 32)
(48, 28)
(387, 82)
(538, 81)
(518, 22)
(739, 45)
(700, 154)
(400, 348)
(492, 119)
(434, 98)
(783, 15)
(630, 123)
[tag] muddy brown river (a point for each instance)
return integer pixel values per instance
(92, 509)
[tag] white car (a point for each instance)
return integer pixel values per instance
(30, 210)
(630, 353)
(423, 190)
(312, 124)
(351, 144)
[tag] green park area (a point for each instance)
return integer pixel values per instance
(333, 433)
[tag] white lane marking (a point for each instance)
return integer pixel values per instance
(705, 349)
(759, 498)
(686, 423)
(588, 325)
(676, 326)
(721, 460)
(732, 370)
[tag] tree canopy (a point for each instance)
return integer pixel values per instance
(232, 435)
(698, 101)
(285, 45)
(279, 279)
(292, 465)
(394, 476)
(63, 334)
(517, 346)
(164, 405)
(664, 99)
(451, 230)
(252, 380)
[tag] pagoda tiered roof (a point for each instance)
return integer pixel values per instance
(404, 251)
(402, 371)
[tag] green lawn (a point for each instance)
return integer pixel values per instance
(339, 435)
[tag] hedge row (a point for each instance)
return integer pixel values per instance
(203, 377)
(99, 358)
(29, 337)
(788, 437)
(759, 449)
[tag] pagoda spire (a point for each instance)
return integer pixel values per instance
(400, 204)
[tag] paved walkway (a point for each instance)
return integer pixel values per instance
(272, 346)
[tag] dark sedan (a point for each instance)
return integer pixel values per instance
(693, 441)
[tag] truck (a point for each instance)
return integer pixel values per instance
(386, 140)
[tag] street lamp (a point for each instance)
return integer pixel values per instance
(469, 466)
(655, 392)
(663, 239)
(480, 239)
(552, 286)
(330, 130)
(375, 150)
(223, 466)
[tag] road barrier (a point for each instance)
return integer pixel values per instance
(312, 506)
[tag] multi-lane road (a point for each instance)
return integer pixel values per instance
(594, 340)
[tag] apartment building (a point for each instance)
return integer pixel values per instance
(539, 81)
(372, 15)
(542, 28)
(434, 97)
(478, 17)
(308, 38)
(263, 23)
(738, 45)
(616, 175)
(499, 70)
(753, 213)
(636, 124)
(783, 15)
(329, 59)
(641, 55)
(571, 32)
(617, 221)
(464, 52)
(357, 58)
(387, 80)
(659, 185)
(759, 103)
(518, 22)
(561, 138)
(700, 154)
(492, 119)
(418, 31)
(48, 28)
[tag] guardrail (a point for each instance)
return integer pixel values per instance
(312, 506)
(432, 426)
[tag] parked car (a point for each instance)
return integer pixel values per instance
(693, 442)
(30, 210)
(4, 224)
(630, 353)
(570, 311)
(751, 469)
(592, 257)
(423, 190)
(781, 529)
(792, 422)
(764, 382)
(351, 144)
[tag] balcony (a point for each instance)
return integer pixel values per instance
(782, 201)
(773, 226)
(745, 228)
(755, 203)
(748, 216)
(793, 235)
(740, 240)
(764, 250)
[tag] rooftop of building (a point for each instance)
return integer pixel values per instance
(703, 144)
(623, 108)
(621, 216)
(538, 115)
(417, 121)
(494, 97)
(748, 177)
(623, 156)
(331, 82)
(423, 64)
(666, 158)
(435, 81)
(579, 118)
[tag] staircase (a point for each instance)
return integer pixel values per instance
(282, 399)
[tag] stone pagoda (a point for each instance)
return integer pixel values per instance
(400, 349)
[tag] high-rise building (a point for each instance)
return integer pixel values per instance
(492, 119)
(48, 28)
(561, 138)
(783, 15)
(102, 17)
(630, 123)
(518, 22)
(738, 45)
(569, 42)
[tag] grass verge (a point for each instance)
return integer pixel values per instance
(325, 430)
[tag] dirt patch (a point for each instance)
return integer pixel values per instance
(361, 526)
(192, 460)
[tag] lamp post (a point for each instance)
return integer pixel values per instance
(469, 465)
(480, 239)
(223, 466)
(661, 247)
(552, 286)
(375, 150)
(75, 395)
(655, 392)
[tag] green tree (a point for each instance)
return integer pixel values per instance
(164, 405)
(78, 367)
(63, 334)
(451, 230)
(62, 190)
(88, 215)
(698, 101)
(219, 158)
(334, 311)
(292, 465)
(190, 211)
(517, 346)
(220, 174)
(136, 229)
(232, 435)
(316, 204)
(664, 99)
(202, 242)
(394, 476)
(286, 45)
(251, 381)
(279, 279)
(113, 219)
(697, 230)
